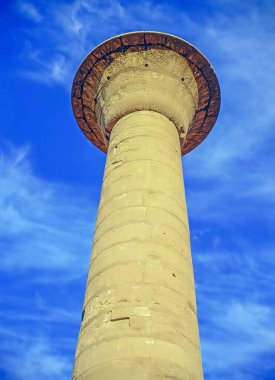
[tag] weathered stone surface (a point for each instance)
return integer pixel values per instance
(140, 300)
(146, 98)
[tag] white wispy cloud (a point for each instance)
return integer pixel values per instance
(242, 46)
(76, 27)
(239, 336)
(43, 225)
(29, 10)
(235, 305)
(33, 357)
(45, 239)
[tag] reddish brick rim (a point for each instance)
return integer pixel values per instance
(87, 78)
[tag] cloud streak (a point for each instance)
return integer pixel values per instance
(29, 10)
(34, 358)
(44, 225)
(239, 337)
(45, 241)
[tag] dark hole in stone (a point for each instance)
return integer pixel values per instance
(182, 79)
(146, 65)
(108, 78)
(107, 137)
(95, 100)
(119, 319)
(173, 274)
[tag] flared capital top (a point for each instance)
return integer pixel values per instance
(87, 85)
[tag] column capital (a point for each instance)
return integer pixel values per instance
(146, 70)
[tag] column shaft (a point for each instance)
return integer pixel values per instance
(139, 316)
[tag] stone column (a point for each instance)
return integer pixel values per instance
(139, 316)
(145, 98)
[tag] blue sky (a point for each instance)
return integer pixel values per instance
(50, 177)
